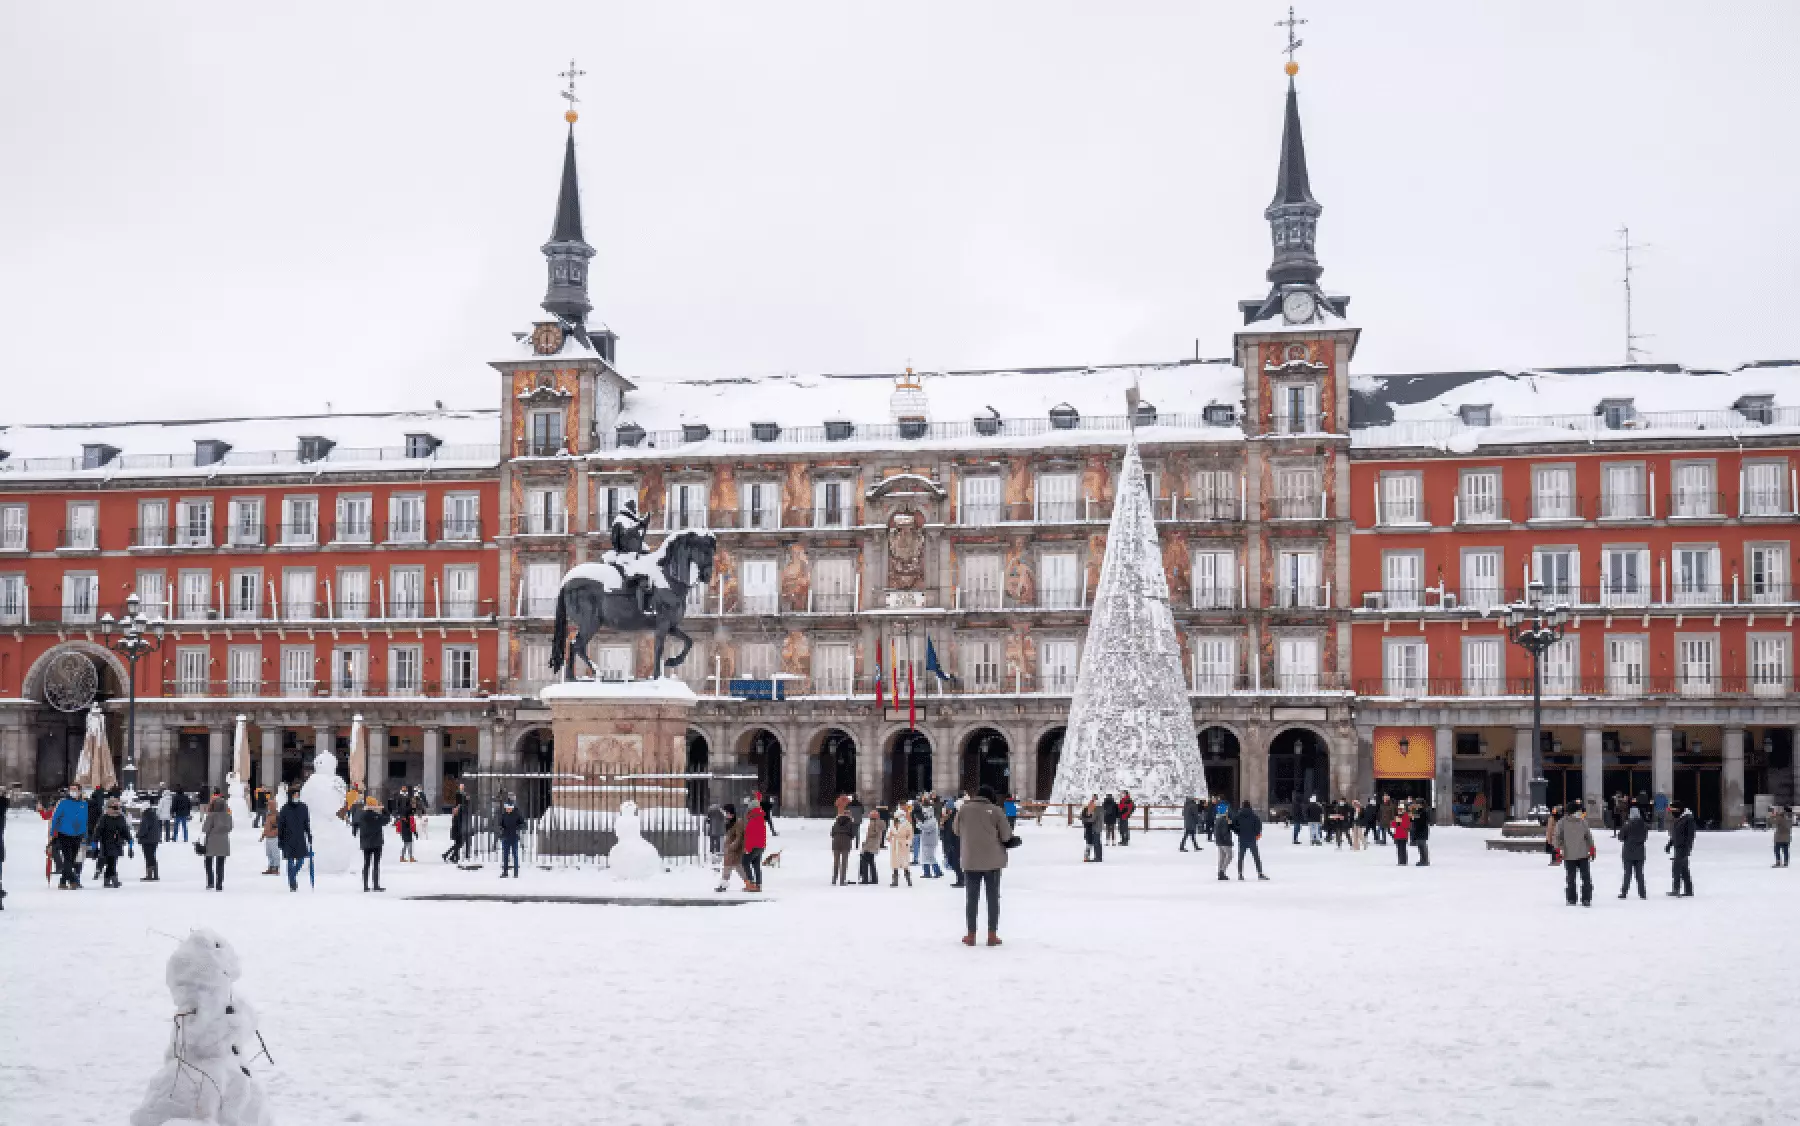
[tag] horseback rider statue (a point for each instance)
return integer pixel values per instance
(627, 545)
(631, 590)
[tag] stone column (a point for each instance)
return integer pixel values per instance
(1593, 793)
(1444, 740)
(795, 801)
(1024, 769)
(484, 747)
(377, 737)
(217, 747)
(1345, 755)
(1662, 762)
(271, 758)
(433, 782)
(1253, 766)
(1732, 783)
(1522, 759)
(324, 739)
(13, 768)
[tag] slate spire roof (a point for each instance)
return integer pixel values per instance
(567, 253)
(567, 227)
(1291, 183)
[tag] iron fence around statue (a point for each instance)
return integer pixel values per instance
(570, 817)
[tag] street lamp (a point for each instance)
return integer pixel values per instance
(139, 635)
(1535, 627)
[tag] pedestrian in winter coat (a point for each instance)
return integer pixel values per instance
(756, 839)
(1356, 826)
(952, 843)
(985, 835)
(1221, 838)
(1576, 842)
(1631, 851)
(1400, 827)
(900, 839)
(68, 829)
(857, 812)
(1315, 820)
(1247, 827)
(715, 828)
(1297, 817)
(732, 858)
(1109, 818)
(1781, 820)
(149, 835)
(165, 804)
(293, 828)
(369, 834)
(1682, 832)
(215, 832)
(843, 835)
(1127, 807)
(1419, 832)
(926, 846)
(114, 837)
(1092, 851)
(180, 809)
(406, 826)
(871, 844)
(509, 825)
(1556, 813)
(269, 821)
(459, 831)
(1190, 823)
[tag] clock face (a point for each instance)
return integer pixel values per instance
(1297, 307)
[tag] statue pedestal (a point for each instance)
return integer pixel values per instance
(633, 726)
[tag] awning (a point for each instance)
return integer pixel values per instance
(1405, 752)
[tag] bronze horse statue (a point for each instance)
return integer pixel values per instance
(597, 596)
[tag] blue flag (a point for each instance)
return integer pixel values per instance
(931, 661)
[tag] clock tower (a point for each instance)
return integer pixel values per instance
(1293, 216)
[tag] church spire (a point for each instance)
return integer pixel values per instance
(567, 252)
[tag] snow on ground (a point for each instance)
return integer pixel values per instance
(1139, 991)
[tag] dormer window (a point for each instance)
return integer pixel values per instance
(315, 448)
(1476, 414)
(420, 445)
(695, 431)
(96, 454)
(1219, 414)
(911, 428)
(839, 430)
(1064, 417)
(987, 425)
(1756, 408)
(1146, 414)
(1616, 414)
(210, 451)
(765, 431)
(629, 435)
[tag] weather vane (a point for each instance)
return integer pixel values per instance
(1293, 43)
(569, 95)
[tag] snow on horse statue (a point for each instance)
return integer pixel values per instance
(631, 593)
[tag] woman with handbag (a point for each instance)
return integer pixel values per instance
(215, 842)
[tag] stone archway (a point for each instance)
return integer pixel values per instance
(909, 770)
(1299, 767)
(697, 760)
(987, 761)
(535, 752)
(1049, 757)
(1221, 756)
(830, 771)
(763, 756)
(57, 735)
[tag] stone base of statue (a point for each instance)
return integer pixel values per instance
(620, 726)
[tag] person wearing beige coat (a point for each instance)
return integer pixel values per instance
(900, 838)
(1575, 841)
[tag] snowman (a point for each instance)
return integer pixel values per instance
(205, 1077)
(632, 857)
(334, 849)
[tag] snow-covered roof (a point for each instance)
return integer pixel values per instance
(464, 439)
(1444, 410)
(801, 406)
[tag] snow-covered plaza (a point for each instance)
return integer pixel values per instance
(1140, 990)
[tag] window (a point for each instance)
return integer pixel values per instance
(246, 594)
(1215, 494)
(1764, 489)
(1553, 492)
(1694, 490)
(1059, 666)
(761, 502)
(1215, 580)
(153, 524)
(243, 670)
(1768, 572)
(1615, 413)
(1400, 503)
(355, 516)
(1401, 582)
(1297, 579)
(1060, 581)
(545, 433)
(461, 596)
(194, 598)
(981, 585)
(1695, 665)
(1559, 569)
(406, 518)
(300, 520)
(610, 501)
(349, 670)
(1297, 494)
(246, 522)
(544, 515)
(153, 593)
(12, 527)
(1622, 493)
(1625, 576)
(543, 582)
(420, 445)
(980, 500)
(981, 658)
(534, 662)
(1215, 665)
(1482, 669)
(352, 592)
(1769, 665)
(1481, 579)
(296, 670)
(406, 593)
(1696, 575)
(192, 663)
(831, 504)
(1476, 414)
(1219, 414)
(1057, 497)
(834, 668)
(1625, 668)
(84, 526)
(1296, 408)
(759, 587)
(1562, 667)
(687, 506)
(12, 599)
(299, 593)
(405, 665)
(462, 516)
(612, 662)
(1297, 664)
(193, 523)
(834, 585)
(81, 597)
(756, 660)
(1407, 668)
(459, 670)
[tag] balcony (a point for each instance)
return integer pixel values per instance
(1754, 503)
(1481, 510)
(459, 530)
(1625, 506)
(1295, 597)
(298, 535)
(1628, 685)
(78, 539)
(353, 532)
(1209, 596)
(1696, 504)
(1285, 424)
(1202, 509)
(1062, 598)
(1309, 507)
(1558, 508)
(308, 688)
(1403, 514)
(541, 523)
(14, 538)
(246, 535)
(405, 531)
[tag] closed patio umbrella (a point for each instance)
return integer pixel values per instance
(95, 769)
(238, 784)
(359, 754)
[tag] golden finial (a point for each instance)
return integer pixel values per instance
(571, 74)
(1293, 44)
(1292, 69)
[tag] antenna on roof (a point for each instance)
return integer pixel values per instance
(1632, 352)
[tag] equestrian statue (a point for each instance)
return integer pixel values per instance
(630, 590)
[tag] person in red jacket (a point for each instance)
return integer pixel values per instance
(1127, 807)
(1401, 827)
(756, 838)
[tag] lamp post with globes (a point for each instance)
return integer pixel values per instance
(1535, 627)
(138, 635)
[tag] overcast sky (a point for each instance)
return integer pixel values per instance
(263, 208)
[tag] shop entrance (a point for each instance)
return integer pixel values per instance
(1220, 759)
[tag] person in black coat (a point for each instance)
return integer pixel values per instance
(1633, 833)
(113, 835)
(509, 824)
(1221, 837)
(1190, 823)
(369, 828)
(1681, 843)
(181, 807)
(1421, 833)
(459, 828)
(149, 835)
(1247, 826)
(1109, 818)
(951, 842)
(293, 828)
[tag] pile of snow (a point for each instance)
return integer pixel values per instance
(205, 1077)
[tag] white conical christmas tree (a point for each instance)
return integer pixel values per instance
(1131, 726)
